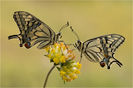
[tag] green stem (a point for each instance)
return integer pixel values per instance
(48, 76)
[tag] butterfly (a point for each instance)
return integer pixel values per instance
(34, 31)
(100, 49)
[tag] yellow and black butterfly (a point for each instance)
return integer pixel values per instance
(33, 31)
(100, 49)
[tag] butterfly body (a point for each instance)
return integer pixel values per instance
(33, 31)
(101, 49)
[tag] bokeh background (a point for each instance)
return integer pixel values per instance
(21, 67)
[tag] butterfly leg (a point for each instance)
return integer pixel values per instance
(80, 57)
(65, 43)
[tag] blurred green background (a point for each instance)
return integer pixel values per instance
(21, 67)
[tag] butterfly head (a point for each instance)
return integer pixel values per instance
(78, 44)
(59, 36)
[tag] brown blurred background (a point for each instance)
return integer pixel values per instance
(21, 67)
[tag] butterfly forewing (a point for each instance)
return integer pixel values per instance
(93, 49)
(33, 30)
(97, 48)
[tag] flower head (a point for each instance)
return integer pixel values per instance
(69, 71)
(59, 53)
(63, 57)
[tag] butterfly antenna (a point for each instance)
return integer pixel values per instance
(74, 32)
(64, 26)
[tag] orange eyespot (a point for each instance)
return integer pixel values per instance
(102, 63)
(27, 45)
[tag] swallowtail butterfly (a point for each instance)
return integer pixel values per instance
(100, 49)
(33, 31)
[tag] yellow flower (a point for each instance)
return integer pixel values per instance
(62, 73)
(62, 59)
(78, 65)
(47, 48)
(56, 60)
(71, 71)
(77, 71)
(59, 53)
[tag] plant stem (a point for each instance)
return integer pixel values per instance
(48, 76)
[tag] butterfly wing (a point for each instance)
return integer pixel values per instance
(32, 30)
(97, 48)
